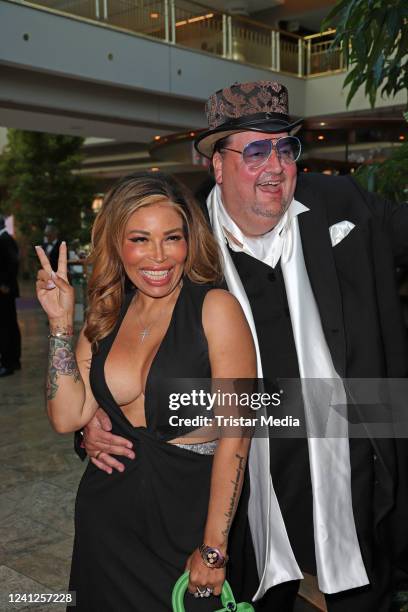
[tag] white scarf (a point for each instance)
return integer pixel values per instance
(267, 248)
(338, 558)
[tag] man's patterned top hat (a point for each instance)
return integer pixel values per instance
(261, 106)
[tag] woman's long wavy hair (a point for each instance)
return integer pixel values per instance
(108, 279)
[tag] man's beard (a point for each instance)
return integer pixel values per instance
(270, 213)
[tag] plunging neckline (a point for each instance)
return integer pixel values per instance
(128, 301)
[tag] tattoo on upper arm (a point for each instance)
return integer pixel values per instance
(234, 497)
(61, 362)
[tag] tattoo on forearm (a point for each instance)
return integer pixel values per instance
(234, 496)
(61, 362)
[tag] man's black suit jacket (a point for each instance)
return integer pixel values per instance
(355, 290)
(9, 263)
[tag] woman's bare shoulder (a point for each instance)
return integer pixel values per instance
(221, 298)
(222, 311)
(230, 343)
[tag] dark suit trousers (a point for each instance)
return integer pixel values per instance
(375, 598)
(244, 578)
(10, 338)
(367, 599)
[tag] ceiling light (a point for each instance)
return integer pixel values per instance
(97, 202)
(322, 123)
(155, 169)
(320, 137)
(194, 19)
(157, 137)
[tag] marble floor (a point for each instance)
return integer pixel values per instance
(39, 478)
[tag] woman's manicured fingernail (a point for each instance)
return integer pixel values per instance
(51, 284)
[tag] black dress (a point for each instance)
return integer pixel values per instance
(135, 530)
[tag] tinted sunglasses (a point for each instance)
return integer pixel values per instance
(257, 153)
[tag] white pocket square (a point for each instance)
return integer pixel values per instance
(339, 230)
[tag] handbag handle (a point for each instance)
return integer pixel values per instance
(227, 597)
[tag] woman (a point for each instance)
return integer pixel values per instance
(153, 317)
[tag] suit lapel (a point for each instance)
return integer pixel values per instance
(319, 260)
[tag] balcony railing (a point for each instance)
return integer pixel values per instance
(197, 26)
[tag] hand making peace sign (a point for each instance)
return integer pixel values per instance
(54, 292)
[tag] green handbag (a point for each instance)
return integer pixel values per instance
(227, 597)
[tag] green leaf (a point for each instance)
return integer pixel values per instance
(336, 11)
(359, 48)
(393, 22)
(353, 89)
(379, 45)
(378, 70)
(351, 76)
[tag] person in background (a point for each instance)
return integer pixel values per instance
(51, 244)
(10, 337)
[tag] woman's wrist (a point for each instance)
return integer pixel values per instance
(61, 327)
(216, 541)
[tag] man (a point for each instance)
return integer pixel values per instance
(10, 339)
(311, 261)
(51, 245)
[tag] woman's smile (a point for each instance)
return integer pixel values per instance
(157, 277)
(155, 249)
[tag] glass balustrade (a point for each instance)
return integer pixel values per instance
(199, 27)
